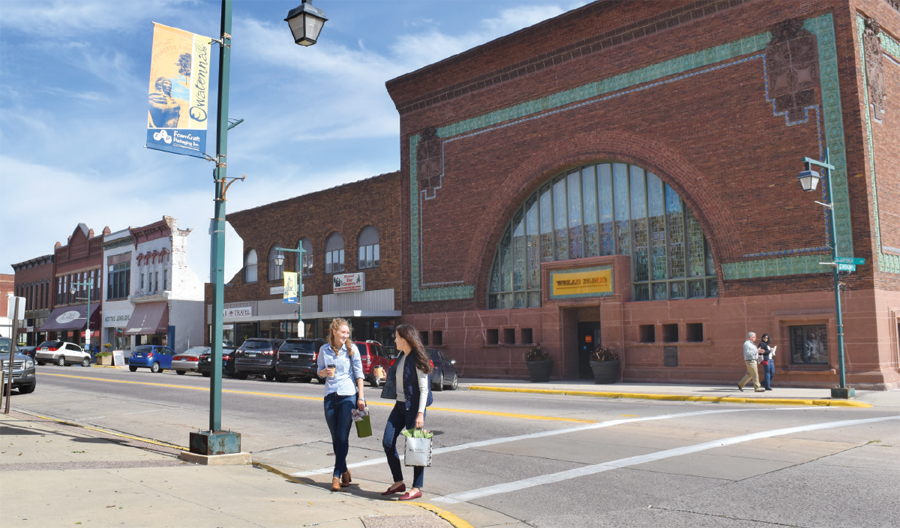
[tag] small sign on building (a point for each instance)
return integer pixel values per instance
(349, 282)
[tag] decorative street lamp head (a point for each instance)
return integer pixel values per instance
(278, 259)
(809, 179)
(306, 22)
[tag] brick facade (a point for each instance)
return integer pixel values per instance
(34, 280)
(721, 100)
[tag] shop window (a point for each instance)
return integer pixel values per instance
(369, 248)
(437, 337)
(694, 332)
(647, 333)
(250, 266)
(423, 336)
(276, 272)
(492, 336)
(809, 344)
(527, 336)
(670, 333)
(334, 254)
(509, 336)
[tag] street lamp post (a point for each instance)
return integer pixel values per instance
(809, 180)
(90, 286)
(279, 261)
(306, 22)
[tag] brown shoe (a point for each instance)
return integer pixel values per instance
(335, 484)
(345, 479)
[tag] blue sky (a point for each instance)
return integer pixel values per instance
(73, 106)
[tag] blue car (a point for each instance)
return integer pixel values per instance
(157, 358)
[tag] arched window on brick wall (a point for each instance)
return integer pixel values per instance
(305, 266)
(604, 209)
(369, 248)
(250, 266)
(334, 253)
(276, 272)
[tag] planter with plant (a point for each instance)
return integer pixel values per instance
(539, 364)
(605, 364)
(105, 357)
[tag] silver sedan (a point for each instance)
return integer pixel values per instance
(187, 361)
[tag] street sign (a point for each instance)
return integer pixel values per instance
(850, 260)
(846, 267)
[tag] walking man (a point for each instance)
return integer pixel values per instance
(751, 355)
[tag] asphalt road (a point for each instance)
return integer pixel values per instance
(540, 460)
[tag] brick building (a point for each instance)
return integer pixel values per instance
(77, 278)
(350, 268)
(35, 281)
(7, 287)
(626, 174)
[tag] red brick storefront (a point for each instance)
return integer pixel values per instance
(711, 102)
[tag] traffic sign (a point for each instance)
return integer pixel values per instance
(850, 260)
(846, 267)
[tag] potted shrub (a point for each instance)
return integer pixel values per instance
(105, 357)
(538, 363)
(605, 364)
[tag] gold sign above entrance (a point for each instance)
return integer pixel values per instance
(582, 282)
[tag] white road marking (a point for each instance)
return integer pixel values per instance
(495, 441)
(142, 412)
(507, 487)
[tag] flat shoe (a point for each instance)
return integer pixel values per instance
(411, 496)
(400, 489)
(335, 484)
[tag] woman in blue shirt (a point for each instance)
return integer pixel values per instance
(410, 371)
(339, 363)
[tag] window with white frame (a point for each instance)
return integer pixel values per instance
(276, 272)
(250, 266)
(369, 249)
(305, 265)
(334, 253)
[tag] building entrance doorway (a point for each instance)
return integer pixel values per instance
(588, 340)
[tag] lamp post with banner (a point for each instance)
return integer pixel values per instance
(279, 261)
(90, 286)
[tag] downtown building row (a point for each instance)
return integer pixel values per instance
(649, 147)
(120, 289)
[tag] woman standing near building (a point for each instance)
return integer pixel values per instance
(339, 363)
(410, 373)
(767, 361)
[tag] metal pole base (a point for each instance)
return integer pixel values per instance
(844, 393)
(215, 443)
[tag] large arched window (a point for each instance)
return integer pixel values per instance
(305, 266)
(276, 272)
(369, 249)
(334, 253)
(604, 209)
(250, 264)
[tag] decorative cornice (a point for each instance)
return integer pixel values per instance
(38, 261)
(637, 30)
(894, 3)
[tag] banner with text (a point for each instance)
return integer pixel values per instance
(583, 282)
(290, 287)
(179, 89)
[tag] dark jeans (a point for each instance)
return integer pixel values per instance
(396, 423)
(770, 374)
(338, 416)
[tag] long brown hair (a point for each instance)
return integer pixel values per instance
(411, 335)
(335, 327)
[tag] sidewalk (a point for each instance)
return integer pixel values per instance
(695, 392)
(56, 474)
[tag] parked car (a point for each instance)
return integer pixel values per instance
(444, 372)
(157, 358)
(61, 353)
(204, 364)
(23, 377)
(372, 354)
(188, 360)
(297, 359)
(257, 355)
(26, 350)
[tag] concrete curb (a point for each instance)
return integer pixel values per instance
(678, 397)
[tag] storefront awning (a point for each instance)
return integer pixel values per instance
(71, 318)
(149, 318)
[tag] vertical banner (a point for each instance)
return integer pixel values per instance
(290, 287)
(179, 89)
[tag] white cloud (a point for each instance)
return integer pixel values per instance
(60, 18)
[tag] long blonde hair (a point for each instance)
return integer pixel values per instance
(335, 327)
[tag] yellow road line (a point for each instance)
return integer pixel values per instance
(319, 398)
(678, 397)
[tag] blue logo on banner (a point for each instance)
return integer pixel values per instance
(178, 141)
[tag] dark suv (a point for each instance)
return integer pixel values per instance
(297, 359)
(204, 363)
(372, 354)
(257, 356)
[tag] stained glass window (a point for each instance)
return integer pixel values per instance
(604, 209)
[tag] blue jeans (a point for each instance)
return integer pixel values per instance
(338, 416)
(396, 423)
(770, 373)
